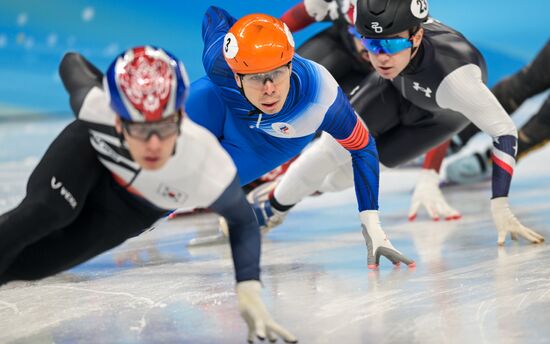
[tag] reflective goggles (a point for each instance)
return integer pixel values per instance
(377, 46)
(143, 131)
(258, 80)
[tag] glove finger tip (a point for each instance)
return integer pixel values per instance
(271, 337)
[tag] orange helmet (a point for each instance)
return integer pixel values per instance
(258, 43)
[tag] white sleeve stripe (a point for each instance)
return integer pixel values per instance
(115, 141)
(103, 148)
(505, 157)
(463, 91)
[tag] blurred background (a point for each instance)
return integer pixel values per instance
(35, 34)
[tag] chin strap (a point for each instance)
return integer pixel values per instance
(120, 138)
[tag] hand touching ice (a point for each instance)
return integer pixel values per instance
(378, 243)
(506, 222)
(260, 324)
(428, 194)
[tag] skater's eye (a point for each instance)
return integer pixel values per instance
(259, 79)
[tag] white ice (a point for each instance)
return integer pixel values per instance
(153, 289)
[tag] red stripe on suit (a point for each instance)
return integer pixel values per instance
(509, 169)
(358, 139)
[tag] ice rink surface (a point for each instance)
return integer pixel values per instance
(153, 289)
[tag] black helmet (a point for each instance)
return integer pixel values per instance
(375, 18)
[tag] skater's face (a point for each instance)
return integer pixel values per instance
(266, 91)
(151, 145)
(390, 55)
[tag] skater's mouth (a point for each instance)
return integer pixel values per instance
(270, 105)
(152, 159)
(384, 70)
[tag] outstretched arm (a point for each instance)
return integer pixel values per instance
(244, 237)
(244, 234)
(344, 125)
(464, 91)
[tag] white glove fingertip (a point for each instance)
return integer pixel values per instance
(413, 210)
(530, 235)
(539, 238)
(271, 337)
(432, 212)
(260, 328)
(250, 337)
(501, 238)
(283, 333)
(250, 324)
(452, 214)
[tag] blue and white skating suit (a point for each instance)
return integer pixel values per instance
(260, 142)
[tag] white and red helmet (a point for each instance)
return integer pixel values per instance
(146, 84)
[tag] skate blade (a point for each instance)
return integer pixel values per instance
(210, 240)
(189, 213)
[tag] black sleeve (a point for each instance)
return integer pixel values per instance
(244, 233)
(79, 76)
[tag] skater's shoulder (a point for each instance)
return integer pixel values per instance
(313, 82)
(448, 43)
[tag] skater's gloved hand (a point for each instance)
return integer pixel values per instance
(256, 316)
(428, 194)
(506, 222)
(378, 243)
(267, 216)
(320, 9)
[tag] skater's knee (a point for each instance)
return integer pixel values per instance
(339, 180)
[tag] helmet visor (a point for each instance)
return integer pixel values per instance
(143, 131)
(258, 80)
(377, 46)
